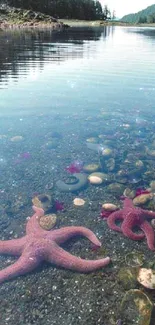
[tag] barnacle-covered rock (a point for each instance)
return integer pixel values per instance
(48, 221)
(141, 306)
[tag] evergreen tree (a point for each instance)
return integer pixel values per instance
(151, 19)
(113, 15)
(106, 13)
(73, 9)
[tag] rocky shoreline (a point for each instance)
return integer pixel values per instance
(11, 17)
(18, 18)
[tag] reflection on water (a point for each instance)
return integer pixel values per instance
(21, 50)
(146, 31)
(76, 71)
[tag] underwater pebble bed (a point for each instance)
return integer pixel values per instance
(32, 165)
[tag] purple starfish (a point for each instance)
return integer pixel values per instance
(131, 217)
(40, 245)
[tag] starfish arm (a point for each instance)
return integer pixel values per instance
(149, 214)
(118, 215)
(60, 257)
(33, 222)
(65, 233)
(149, 233)
(23, 265)
(12, 246)
(127, 231)
(128, 204)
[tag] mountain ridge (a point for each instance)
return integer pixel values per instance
(146, 15)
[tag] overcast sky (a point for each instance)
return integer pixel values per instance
(123, 7)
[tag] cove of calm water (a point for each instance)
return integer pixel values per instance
(75, 101)
(78, 70)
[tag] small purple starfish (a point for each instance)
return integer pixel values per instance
(39, 245)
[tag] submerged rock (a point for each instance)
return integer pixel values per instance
(116, 189)
(134, 259)
(17, 138)
(90, 168)
(152, 185)
(150, 152)
(136, 308)
(142, 199)
(129, 193)
(44, 201)
(48, 221)
(110, 164)
(128, 277)
(91, 140)
(106, 152)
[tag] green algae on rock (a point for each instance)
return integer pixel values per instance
(134, 259)
(128, 277)
(91, 168)
(136, 308)
(116, 189)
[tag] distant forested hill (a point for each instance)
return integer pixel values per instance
(144, 16)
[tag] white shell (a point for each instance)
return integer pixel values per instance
(147, 278)
(78, 202)
(109, 207)
(95, 180)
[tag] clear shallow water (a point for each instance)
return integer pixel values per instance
(76, 71)
(106, 72)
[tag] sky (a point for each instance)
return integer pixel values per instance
(124, 7)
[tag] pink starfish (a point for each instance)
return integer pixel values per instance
(132, 216)
(38, 245)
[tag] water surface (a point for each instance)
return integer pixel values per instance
(78, 70)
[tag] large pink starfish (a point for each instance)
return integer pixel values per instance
(38, 245)
(132, 216)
